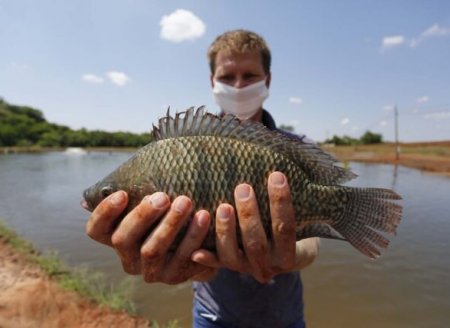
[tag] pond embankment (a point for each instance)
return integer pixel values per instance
(31, 297)
(425, 156)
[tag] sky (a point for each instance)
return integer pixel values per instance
(338, 67)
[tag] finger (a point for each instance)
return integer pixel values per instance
(254, 238)
(283, 221)
(156, 246)
(206, 258)
(195, 235)
(226, 238)
(106, 216)
(211, 260)
(181, 260)
(191, 272)
(206, 275)
(128, 237)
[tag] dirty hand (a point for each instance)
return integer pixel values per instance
(260, 258)
(148, 254)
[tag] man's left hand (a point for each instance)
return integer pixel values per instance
(261, 258)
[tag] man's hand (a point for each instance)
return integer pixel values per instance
(141, 253)
(262, 259)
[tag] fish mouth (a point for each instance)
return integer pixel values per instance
(84, 204)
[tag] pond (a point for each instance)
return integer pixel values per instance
(408, 286)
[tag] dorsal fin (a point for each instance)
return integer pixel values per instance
(318, 165)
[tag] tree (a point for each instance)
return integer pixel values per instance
(50, 139)
(342, 141)
(26, 126)
(288, 128)
(370, 138)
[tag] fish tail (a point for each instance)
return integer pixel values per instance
(367, 213)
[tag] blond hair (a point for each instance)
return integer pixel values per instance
(239, 42)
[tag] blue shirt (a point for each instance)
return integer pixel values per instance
(232, 299)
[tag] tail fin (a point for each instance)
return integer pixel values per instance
(368, 211)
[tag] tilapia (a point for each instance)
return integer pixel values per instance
(204, 156)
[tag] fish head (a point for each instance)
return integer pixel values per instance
(130, 177)
(93, 195)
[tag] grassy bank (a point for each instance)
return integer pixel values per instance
(426, 156)
(82, 298)
(91, 285)
(438, 148)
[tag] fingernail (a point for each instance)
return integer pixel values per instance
(117, 198)
(181, 204)
(243, 191)
(223, 213)
(158, 200)
(203, 219)
(277, 179)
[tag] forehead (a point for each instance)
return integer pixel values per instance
(226, 61)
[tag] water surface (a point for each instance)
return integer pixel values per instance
(409, 286)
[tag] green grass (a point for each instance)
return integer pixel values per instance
(83, 281)
(92, 285)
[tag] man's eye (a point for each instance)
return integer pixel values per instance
(226, 78)
(250, 77)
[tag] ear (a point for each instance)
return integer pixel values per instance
(268, 80)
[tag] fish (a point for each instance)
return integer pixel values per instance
(205, 156)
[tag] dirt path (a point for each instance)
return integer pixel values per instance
(29, 298)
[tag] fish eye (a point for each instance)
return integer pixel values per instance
(106, 191)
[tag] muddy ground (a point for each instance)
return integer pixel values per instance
(30, 299)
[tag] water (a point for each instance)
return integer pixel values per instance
(409, 286)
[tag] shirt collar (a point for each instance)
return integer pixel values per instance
(268, 120)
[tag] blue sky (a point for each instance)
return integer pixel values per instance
(338, 67)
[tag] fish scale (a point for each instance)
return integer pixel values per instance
(204, 157)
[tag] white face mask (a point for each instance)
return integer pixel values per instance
(243, 102)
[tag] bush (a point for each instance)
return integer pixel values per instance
(370, 138)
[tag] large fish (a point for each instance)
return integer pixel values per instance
(204, 156)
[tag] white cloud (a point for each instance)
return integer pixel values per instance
(397, 40)
(438, 115)
(118, 78)
(295, 100)
(423, 99)
(432, 31)
(181, 25)
(436, 30)
(383, 123)
(92, 78)
(345, 121)
(392, 41)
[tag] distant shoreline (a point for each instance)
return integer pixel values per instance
(433, 157)
(425, 156)
(31, 150)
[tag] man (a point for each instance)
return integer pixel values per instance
(257, 286)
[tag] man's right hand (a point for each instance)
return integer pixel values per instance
(148, 254)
